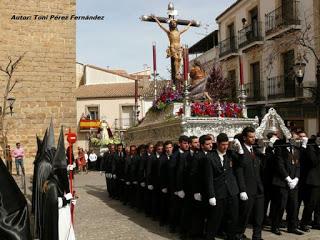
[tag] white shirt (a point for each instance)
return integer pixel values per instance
(86, 157)
(158, 155)
(93, 157)
(250, 149)
(221, 156)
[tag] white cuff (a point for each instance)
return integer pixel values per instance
(68, 196)
(60, 202)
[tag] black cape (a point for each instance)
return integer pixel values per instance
(14, 216)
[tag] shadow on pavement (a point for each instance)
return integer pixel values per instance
(134, 216)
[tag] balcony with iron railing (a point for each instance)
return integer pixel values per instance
(250, 34)
(283, 87)
(285, 16)
(254, 91)
(228, 46)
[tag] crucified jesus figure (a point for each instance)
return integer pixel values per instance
(175, 49)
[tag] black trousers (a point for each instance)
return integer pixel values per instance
(133, 194)
(268, 192)
(155, 202)
(198, 214)
(164, 203)
(148, 202)
(108, 183)
(285, 199)
(253, 207)
(316, 216)
(228, 207)
(140, 197)
(186, 214)
(311, 201)
(175, 212)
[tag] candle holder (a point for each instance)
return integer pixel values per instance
(219, 109)
(242, 101)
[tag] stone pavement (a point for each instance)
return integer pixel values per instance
(97, 217)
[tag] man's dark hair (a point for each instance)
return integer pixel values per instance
(247, 130)
(191, 138)
(148, 145)
(166, 143)
(204, 138)
(239, 137)
(119, 144)
(271, 134)
(301, 131)
(17, 143)
(222, 137)
(158, 144)
(183, 138)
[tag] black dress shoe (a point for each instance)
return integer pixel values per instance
(295, 231)
(304, 228)
(276, 231)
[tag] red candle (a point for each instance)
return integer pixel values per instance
(154, 58)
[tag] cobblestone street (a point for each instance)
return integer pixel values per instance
(97, 217)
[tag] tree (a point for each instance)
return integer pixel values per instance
(9, 84)
(218, 87)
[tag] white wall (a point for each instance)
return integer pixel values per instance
(95, 76)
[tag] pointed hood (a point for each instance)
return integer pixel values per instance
(50, 136)
(59, 160)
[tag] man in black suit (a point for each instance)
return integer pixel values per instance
(269, 162)
(248, 169)
(164, 162)
(155, 178)
(133, 174)
(177, 195)
(108, 170)
(312, 181)
(145, 169)
(285, 180)
(199, 201)
(221, 186)
(183, 186)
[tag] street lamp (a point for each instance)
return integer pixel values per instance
(299, 70)
(11, 101)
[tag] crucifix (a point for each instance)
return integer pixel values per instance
(175, 49)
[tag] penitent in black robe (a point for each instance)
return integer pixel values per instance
(14, 216)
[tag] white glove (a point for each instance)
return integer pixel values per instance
(68, 196)
(288, 179)
(175, 193)
(213, 201)
(304, 142)
(109, 175)
(164, 190)
(60, 202)
(135, 182)
(294, 183)
(150, 187)
(128, 183)
(73, 202)
(238, 146)
(143, 184)
(74, 165)
(197, 197)
(244, 196)
(181, 194)
(70, 167)
(114, 176)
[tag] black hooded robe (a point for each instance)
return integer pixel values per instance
(14, 216)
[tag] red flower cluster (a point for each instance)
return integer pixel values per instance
(167, 96)
(207, 109)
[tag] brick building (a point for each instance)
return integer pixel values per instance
(47, 73)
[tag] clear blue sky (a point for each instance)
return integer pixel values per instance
(122, 41)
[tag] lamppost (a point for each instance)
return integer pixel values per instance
(11, 101)
(299, 71)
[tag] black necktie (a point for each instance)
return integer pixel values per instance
(224, 161)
